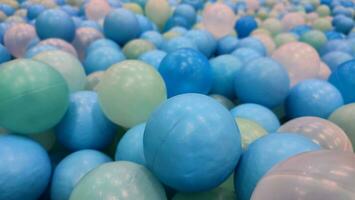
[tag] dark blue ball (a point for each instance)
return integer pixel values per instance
(34, 10)
(333, 35)
(343, 24)
(343, 78)
(245, 25)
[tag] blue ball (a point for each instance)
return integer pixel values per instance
(8, 10)
(102, 43)
(335, 58)
(187, 12)
(153, 58)
(154, 37)
(246, 55)
(253, 43)
(313, 98)
(179, 29)
(25, 168)
(336, 45)
(34, 10)
(245, 25)
(343, 78)
(191, 143)
(340, 10)
(262, 81)
(343, 24)
(186, 71)
(89, 24)
(224, 70)
(226, 45)
(31, 52)
(309, 7)
(333, 35)
(258, 113)
(204, 40)
(85, 126)
(300, 30)
(4, 54)
(55, 23)
(121, 26)
(70, 10)
(72, 169)
(3, 28)
(176, 21)
(101, 59)
(144, 23)
(197, 4)
(180, 42)
(263, 154)
(130, 147)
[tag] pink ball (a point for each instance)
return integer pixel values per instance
(83, 38)
(291, 20)
(96, 10)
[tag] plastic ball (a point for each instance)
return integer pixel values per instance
(83, 38)
(218, 19)
(292, 20)
(60, 44)
(249, 131)
(265, 153)
(187, 12)
(93, 80)
(36, 96)
(89, 24)
(121, 26)
(284, 38)
(33, 51)
(313, 98)
(158, 11)
(245, 25)
(322, 24)
(96, 10)
(134, 48)
(154, 37)
(227, 103)
(55, 23)
(67, 65)
(343, 117)
(186, 71)
(72, 169)
(254, 82)
(273, 25)
(102, 43)
(129, 91)
(202, 125)
(337, 45)
(144, 23)
(102, 58)
(343, 79)
(224, 70)
(130, 147)
(4, 54)
(314, 38)
(134, 8)
(323, 132)
(260, 114)
(333, 35)
(84, 126)
(324, 71)
(226, 45)
(335, 58)
(34, 10)
(110, 181)
(299, 59)
(204, 40)
(253, 43)
(343, 24)
(17, 37)
(153, 58)
(310, 176)
(300, 29)
(179, 42)
(267, 41)
(246, 55)
(216, 194)
(22, 157)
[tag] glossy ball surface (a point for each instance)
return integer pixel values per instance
(218, 19)
(250, 131)
(335, 58)
(102, 58)
(18, 37)
(245, 25)
(153, 58)
(134, 48)
(83, 38)
(343, 78)
(246, 55)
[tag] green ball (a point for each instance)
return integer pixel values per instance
(250, 131)
(315, 38)
(129, 91)
(284, 38)
(273, 25)
(323, 11)
(33, 96)
(137, 47)
(66, 64)
(344, 117)
(119, 180)
(322, 24)
(215, 194)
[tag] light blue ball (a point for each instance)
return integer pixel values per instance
(226, 45)
(84, 126)
(34, 10)
(153, 57)
(258, 113)
(246, 55)
(71, 169)
(144, 23)
(121, 26)
(187, 12)
(333, 35)
(101, 59)
(197, 4)
(55, 23)
(335, 58)
(70, 10)
(154, 37)
(224, 70)
(339, 10)
(262, 81)
(8, 10)
(89, 24)
(103, 42)
(186, 71)
(31, 52)
(343, 78)
(130, 147)
(245, 25)
(343, 24)
(300, 30)
(252, 43)
(3, 28)
(263, 154)
(313, 98)
(336, 45)
(204, 41)
(25, 168)
(4, 54)
(180, 42)
(191, 143)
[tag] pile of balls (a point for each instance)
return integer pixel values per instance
(177, 99)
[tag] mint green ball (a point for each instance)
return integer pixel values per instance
(323, 11)
(315, 38)
(137, 47)
(273, 25)
(129, 91)
(284, 38)
(322, 24)
(33, 96)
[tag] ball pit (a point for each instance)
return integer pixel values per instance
(173, 99)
